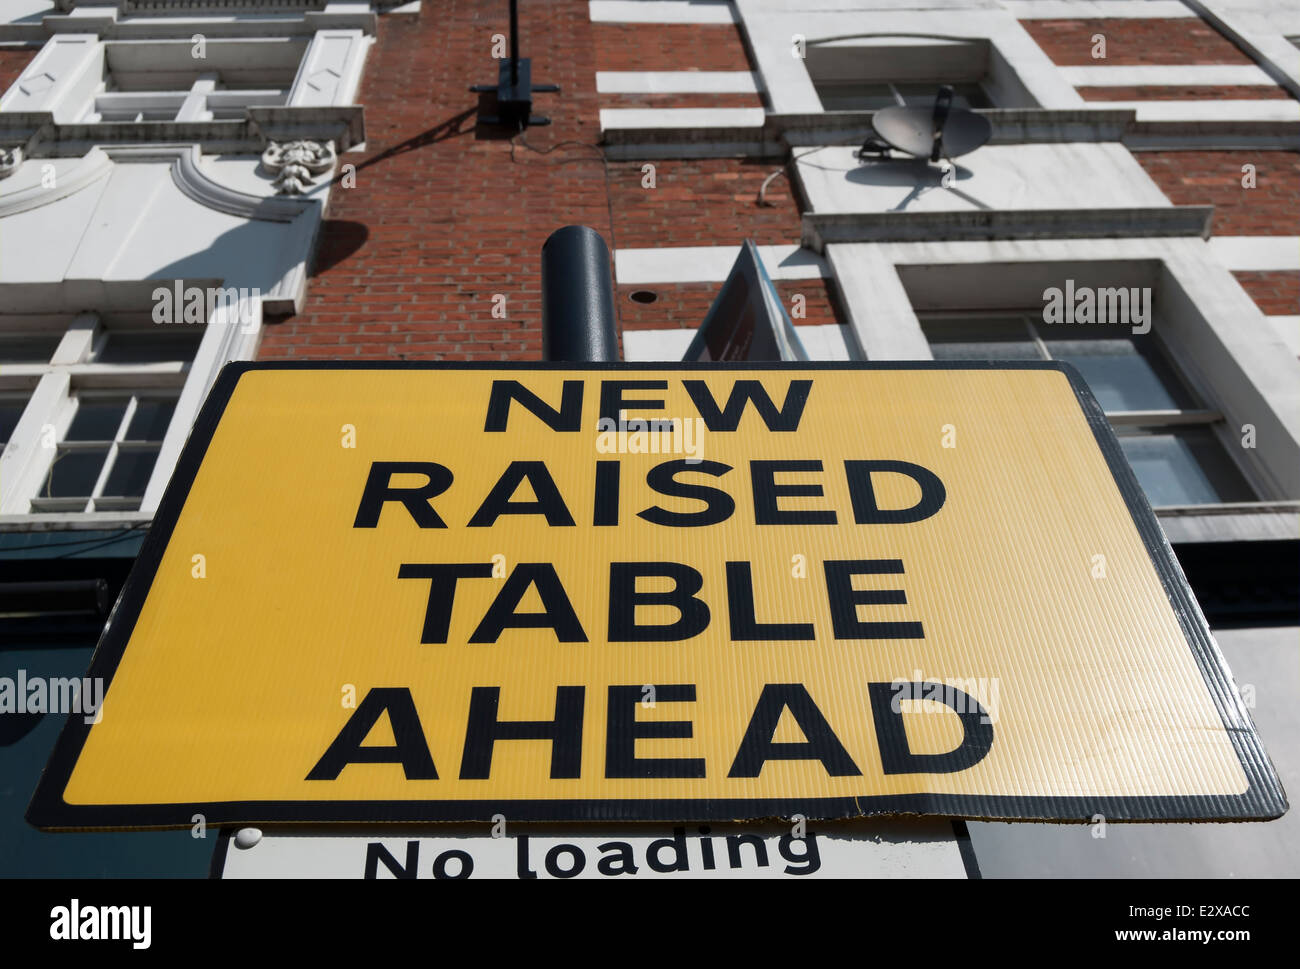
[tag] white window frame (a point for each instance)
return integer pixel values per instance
(117, 444)
(1203, 314)
(202, 102)
(1163, 419)
(70, 77)
(902, 59)
(231, 334)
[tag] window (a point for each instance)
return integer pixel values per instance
(872, 96)
(11, 408)
(28, 347)
(107, 453)
(1166, 435)
(95, 396)
(84, 80)
(162, 81)
(871, 72)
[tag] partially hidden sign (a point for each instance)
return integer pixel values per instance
(642, 592)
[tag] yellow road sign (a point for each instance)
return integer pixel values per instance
(448, 592)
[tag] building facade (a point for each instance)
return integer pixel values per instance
(189, 183)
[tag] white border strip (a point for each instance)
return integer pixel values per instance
(643, 118)
(1257, 253)
(823, 341)
(712, 264)
(1091, 9)
(1287, 329)
(1262, 110)
(661, 12)
(682, 82)
(1200, 75)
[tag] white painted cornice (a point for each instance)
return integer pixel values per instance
(187, 174)
(94, 166)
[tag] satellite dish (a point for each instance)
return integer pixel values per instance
(941, 132)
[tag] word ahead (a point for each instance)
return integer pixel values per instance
(488, 594)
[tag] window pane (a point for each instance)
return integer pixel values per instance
(872, 96)
(853, 96)
(921, 93)
(979, 338)
(152, 346)
(10, 412)
(1183, 467)
(130, 472)
(1120, 376)
(96, 420)
(74, 473)
(28, 347)
(150, 420)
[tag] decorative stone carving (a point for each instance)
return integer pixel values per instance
(10, 159)
(296, 163)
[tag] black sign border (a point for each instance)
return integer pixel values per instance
(1263, 799)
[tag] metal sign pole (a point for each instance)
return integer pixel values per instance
(577, 298)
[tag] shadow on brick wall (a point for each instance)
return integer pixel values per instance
(339, 239)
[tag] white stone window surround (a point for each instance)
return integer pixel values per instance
(1182, 412)
(902, 59)
(1030, 177)
(51, 389)
(1211, 330)
(81, 77)
(190, 199)
(1018, 72)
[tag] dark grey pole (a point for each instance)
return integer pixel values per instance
(577, 298)
(514, 42)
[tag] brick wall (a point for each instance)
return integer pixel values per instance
(1214, 178)
(672, 47)
(13, 61)
(441, 218)
(702, 202)
(683, 305)
(1275, 293)
(1151, 40)
(1184, 92)
(668, 47)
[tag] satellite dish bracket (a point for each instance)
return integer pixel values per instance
(942, 105)
(873, 149)
(943, 132)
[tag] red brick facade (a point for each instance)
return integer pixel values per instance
(1183, 92)
(1275, 293)
(702, 202)
(1178, 40)
(668, 47)
(445, 220)
(13, 61)
(1272, 207)
(683, 305)
(441, 219)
